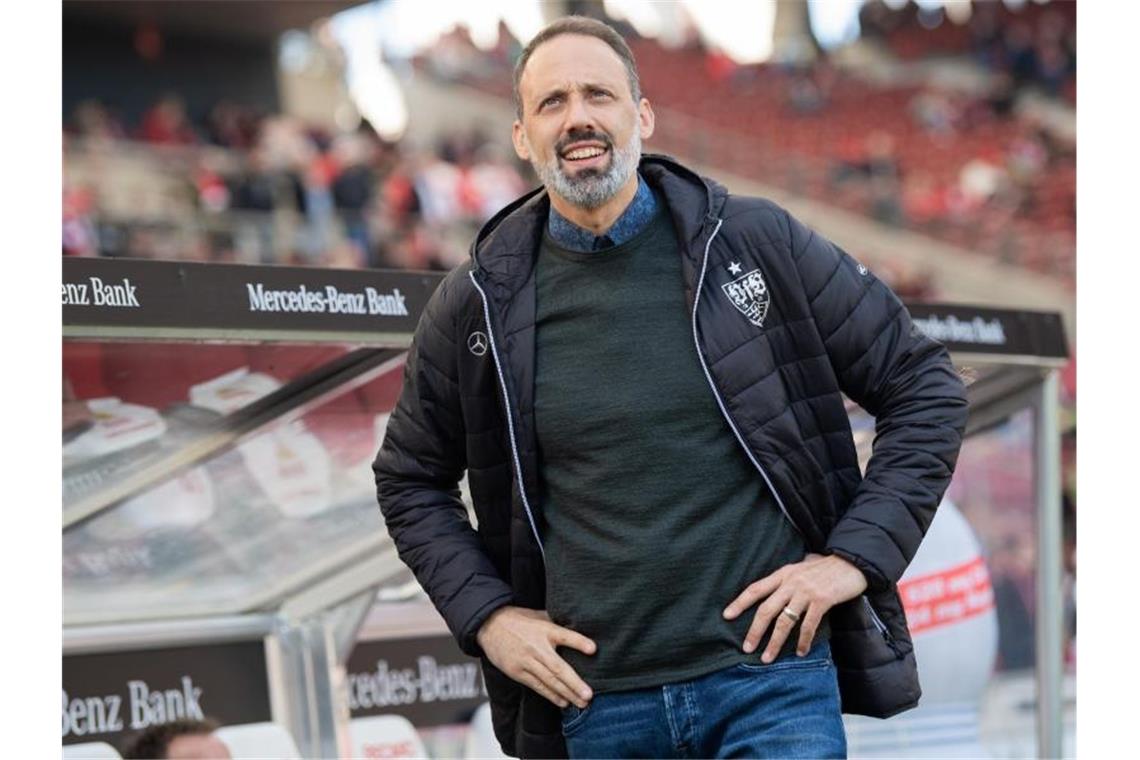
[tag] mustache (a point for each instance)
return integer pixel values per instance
(582, 135)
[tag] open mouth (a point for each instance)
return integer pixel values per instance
(584, 155)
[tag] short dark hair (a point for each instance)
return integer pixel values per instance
(586, 26)
(153, 742)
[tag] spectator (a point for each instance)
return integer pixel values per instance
(924, 203)
(882, 161)
(935, 112)
(436, 184)
(399, 194)
(876, 170)
(1053, 67)
(494, 180)
(353, 190)
(418, 247)
(178, 740)
(231, 126)
(94, 121)
(1020, 57)
(1008, 568)
(255, 193)
(985, 37)
(1002, 95)
(210, 184)
(1027, 157)
(873, 159)
(318, 174)
(805, 95)
(166, 123)
(79, 233)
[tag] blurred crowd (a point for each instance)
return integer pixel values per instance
(973, 165)
(968, 166)
(256, 187)
(248, 186)
(1035, 46)
(1026, 174)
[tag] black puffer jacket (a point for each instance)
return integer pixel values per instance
(785, 322)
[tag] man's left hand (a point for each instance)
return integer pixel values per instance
(808, 588)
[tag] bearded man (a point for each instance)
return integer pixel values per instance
(641, 374)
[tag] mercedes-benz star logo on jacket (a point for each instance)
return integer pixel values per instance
(477, 343)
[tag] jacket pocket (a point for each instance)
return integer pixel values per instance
(874, 658)
(506, 696)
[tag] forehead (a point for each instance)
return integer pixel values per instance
(569, 59)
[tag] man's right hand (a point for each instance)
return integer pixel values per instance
(521, 642)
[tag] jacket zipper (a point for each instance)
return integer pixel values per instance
(507, 408)
(883, 630)
(876, 619)
(716, 393)
(879, 624)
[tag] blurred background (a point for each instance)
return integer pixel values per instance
(935, 141)
(373, 135)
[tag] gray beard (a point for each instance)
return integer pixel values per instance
(591, 189)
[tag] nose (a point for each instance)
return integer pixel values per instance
(578, 114)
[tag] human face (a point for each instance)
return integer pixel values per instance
(197, 747)
(580, 128)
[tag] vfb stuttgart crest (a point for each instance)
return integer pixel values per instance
(749, 294)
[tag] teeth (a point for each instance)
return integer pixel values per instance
(584, 153)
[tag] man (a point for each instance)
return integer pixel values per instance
(641, 375)
(184, 739)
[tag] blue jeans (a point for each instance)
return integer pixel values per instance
(788, 709)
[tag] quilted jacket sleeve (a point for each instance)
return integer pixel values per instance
(906, 381)
(418, 470)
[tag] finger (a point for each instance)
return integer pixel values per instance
(809, 626)
(527, 678)
(568, 638)
(549, 676)
(782, 627)
(765, 613)
(577, 691)
(752, 594)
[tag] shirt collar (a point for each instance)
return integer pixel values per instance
(636, 215)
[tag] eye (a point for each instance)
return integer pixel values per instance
(551, 101)
(599, 94)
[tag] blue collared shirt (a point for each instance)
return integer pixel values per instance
(632, 221)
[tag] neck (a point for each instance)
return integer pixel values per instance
(597, 220)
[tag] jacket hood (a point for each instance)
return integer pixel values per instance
(505, 248)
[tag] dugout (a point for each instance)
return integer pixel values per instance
(222, 549)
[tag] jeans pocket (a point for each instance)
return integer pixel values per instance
(573, 717)
(818, 657)
(779, 666)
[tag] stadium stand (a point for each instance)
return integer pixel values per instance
(258, 187)
(963, 167)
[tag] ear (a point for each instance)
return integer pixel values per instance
(645, 119)
(518, 137)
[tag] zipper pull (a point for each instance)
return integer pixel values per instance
(883, 630)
